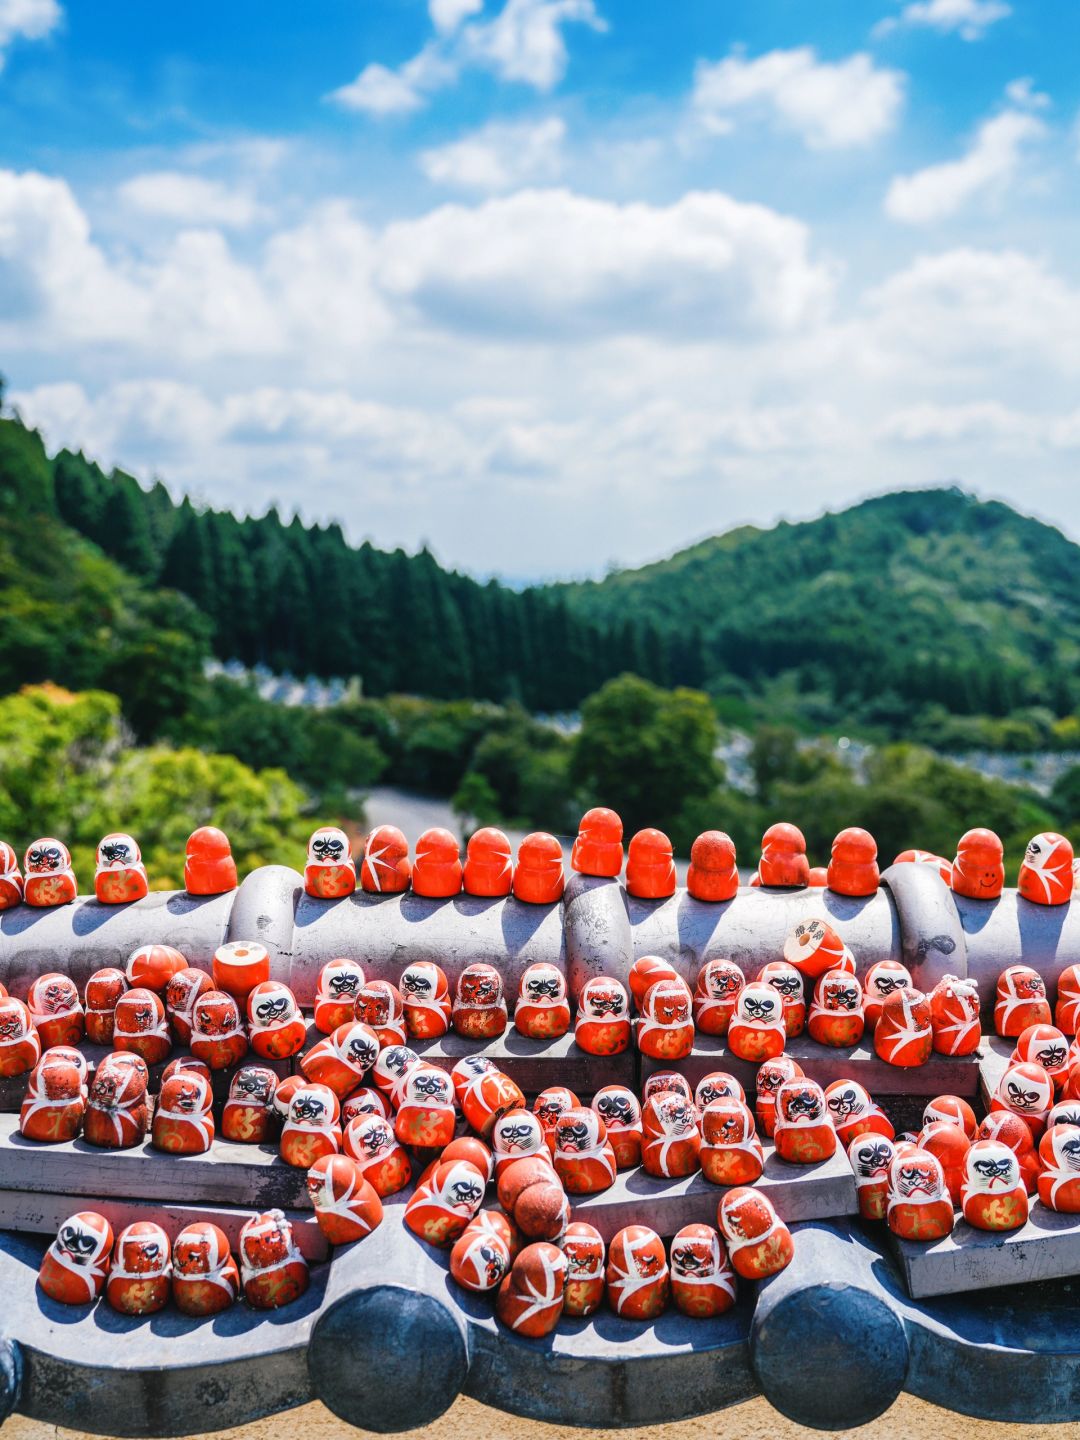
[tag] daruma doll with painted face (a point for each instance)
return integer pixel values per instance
(272, 1270)
(205, 1279)
(340, 982)
(665, 1030)
(756, 1032)
(1046, 876)
(758, 1242)
(330, 872)
(993, 1196)
(715, 993)
(638, 1278)
(788, 984)
(425, 996)
(584, 1159)
(603, 1019)
(882, 979)
(919, 1207)
(479, 1011)
(620, 1111)
(120, 875)
(1021, 1001)
(443, 1204)
(978, 871)
(870, 1157)
(836, 1016)
(804, 1133)
(138, 1282)
(11, 880)
(671, 1140)
(731, 1153)
(702, 1280)
(76, 1264)
(139, 1025)
(954, 1016)
(542, 1011)
(50, 879)
(484, 1093)
(55, 1007)
(583, 1246)
(854, 1113)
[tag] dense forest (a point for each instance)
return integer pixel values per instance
(299, 598)
(926, 614)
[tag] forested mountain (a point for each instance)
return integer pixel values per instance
(300, 598)
(899, 616)
(913, 598)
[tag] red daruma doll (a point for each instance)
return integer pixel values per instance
(598, 848)
(542, 1011)
(549, 1105)
(783, 860)
(311, 1130)
(645, 972)
(814, 948)
(437, 869)
(788, 984)
(771, 1075)
(385, 869)
(603, 1019)
(758, 1242)
(479, 1011)
(993, 1197)
(1046, 876)
(50, 879)
(346, 1206)
(713, 875)
(583, 1246)
(11, 880)
(715, 994)
(52, 1110)
(481, 1254)
(954, 1016)
(804, 1133)
(427, 1115)
(181, 994)
(484, 1093)
(116, 1110)
(836, 1016)
(138, 1282)
(665, 1030)
(620, 1111)
(217, 1036)
(205, 1279)
(853, 869)
(538, 875)
(671, 1141)
(756, 1032)
(272, 1270)
(702, 1280)
(209, 867)
(139, 1025)
(20, 1047)
(979, 868)
(426, 1003)
(854, 1113)
(870, 1157)
(530, 1299)
(638, 1279)
(882, 980)
(120, 876)
(248, 1113)
(919, 1207)
(370, 1141)
(75, 1265)
(379, 1005)
(103, 990)
(183, 1117)
(731, 1153)
(443, 1204)
(57, 1013)
(584, 1159)
(1021, 1001)
(340, 982)
(329, 873)
(1059, 1183)
(1067, 1010)
(489, 865)
(650, 866)
(904, 1035)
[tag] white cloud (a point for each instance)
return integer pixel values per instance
(189, 199)
(941, 190)
(970, 19)
(26, 20)
(447, 15)
(524, 43)
(980, 421)
(549, 262)
(1024, 96)
(498, 157)
(829, 105)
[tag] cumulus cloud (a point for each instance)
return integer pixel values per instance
(830, 105)
(189, 199)
(498, 157)
(548, 263)
(970, 19)
(26, 20)
(523, 43)
(991, 163)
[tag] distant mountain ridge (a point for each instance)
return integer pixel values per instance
(907, 604)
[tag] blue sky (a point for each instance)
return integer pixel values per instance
(548, 284)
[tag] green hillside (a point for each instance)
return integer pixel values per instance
(914, 599)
